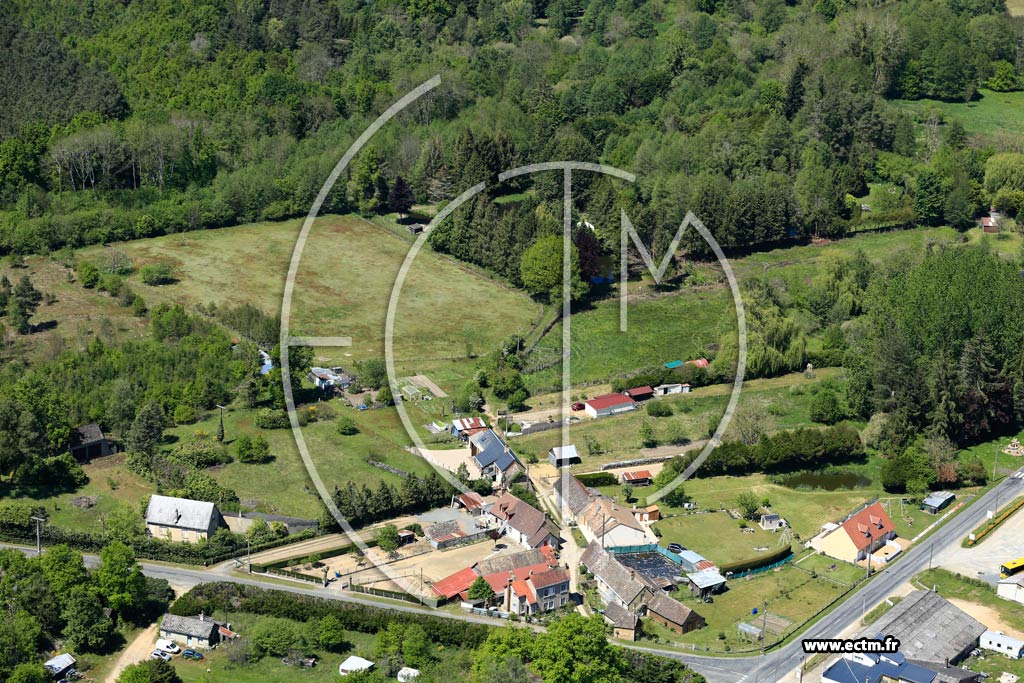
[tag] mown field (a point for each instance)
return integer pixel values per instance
(783, 401)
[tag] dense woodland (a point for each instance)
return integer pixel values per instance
(54, 599)
(131, 119)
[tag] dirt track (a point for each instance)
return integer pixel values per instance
(137, 651)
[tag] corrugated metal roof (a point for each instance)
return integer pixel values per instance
(180, 512)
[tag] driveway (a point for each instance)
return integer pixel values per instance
(137, 651)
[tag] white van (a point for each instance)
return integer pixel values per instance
(165, 645)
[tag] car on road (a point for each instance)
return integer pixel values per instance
(165, 645)
(192, 654)
(577, 406)
(160, 654)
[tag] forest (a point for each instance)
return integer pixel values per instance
(765, 119)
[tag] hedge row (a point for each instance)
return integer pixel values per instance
(211, 552)
(994, 523)
(756, 562)
(594, 479)
(211, 597)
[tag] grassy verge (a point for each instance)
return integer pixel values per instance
(991, 525)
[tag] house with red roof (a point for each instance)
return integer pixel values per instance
(539, 591)
(608, 404)
(863, 533)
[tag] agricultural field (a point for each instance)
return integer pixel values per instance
(1015, 8)
(676, 326)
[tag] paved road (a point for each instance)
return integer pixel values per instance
(775, 665)
(771, 667)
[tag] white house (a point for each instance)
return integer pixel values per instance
(666, 389)
(997, 641)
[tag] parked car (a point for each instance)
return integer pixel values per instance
(165, 645)
(160, 654)
(577, 406)
(192, 654)
(675, 548)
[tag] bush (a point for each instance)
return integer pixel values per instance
(346, 426)
(268, 418)
(253, 450)
(658, 409)
(184, 414)
(156, 274)
(88, 274)
(825, 408)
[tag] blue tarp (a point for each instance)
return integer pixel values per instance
(673, 364)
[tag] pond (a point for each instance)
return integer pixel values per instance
(828, 482)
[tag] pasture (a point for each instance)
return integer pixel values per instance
(447, 312)
(992, 114)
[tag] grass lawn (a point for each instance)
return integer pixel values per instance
(791, 594)
(678, 326)
(991, 113)
(344, 283)
(1015, 8)
(786, 401)
(822, 565)
(110, 483)
(339, 459)
(718, 536)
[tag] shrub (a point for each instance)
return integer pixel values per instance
(658, 409)
(88, 274)
(156, 274)
(346, 426)
(253, 450)
(268, 418)
(184, 414)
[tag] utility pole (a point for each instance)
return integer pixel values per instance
(39, 541)
(248, 554)
(764, 628)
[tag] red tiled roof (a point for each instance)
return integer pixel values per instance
(551, 577)
(499, 580)
(639, 474)
(699, 362)
(470, 500)
(608, 400)
(522, 589)
(867, 525)
(704, 564)
(460, 581)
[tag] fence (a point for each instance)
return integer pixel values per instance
(397, 595)
(759, 570)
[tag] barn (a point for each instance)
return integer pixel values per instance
(608, 404)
